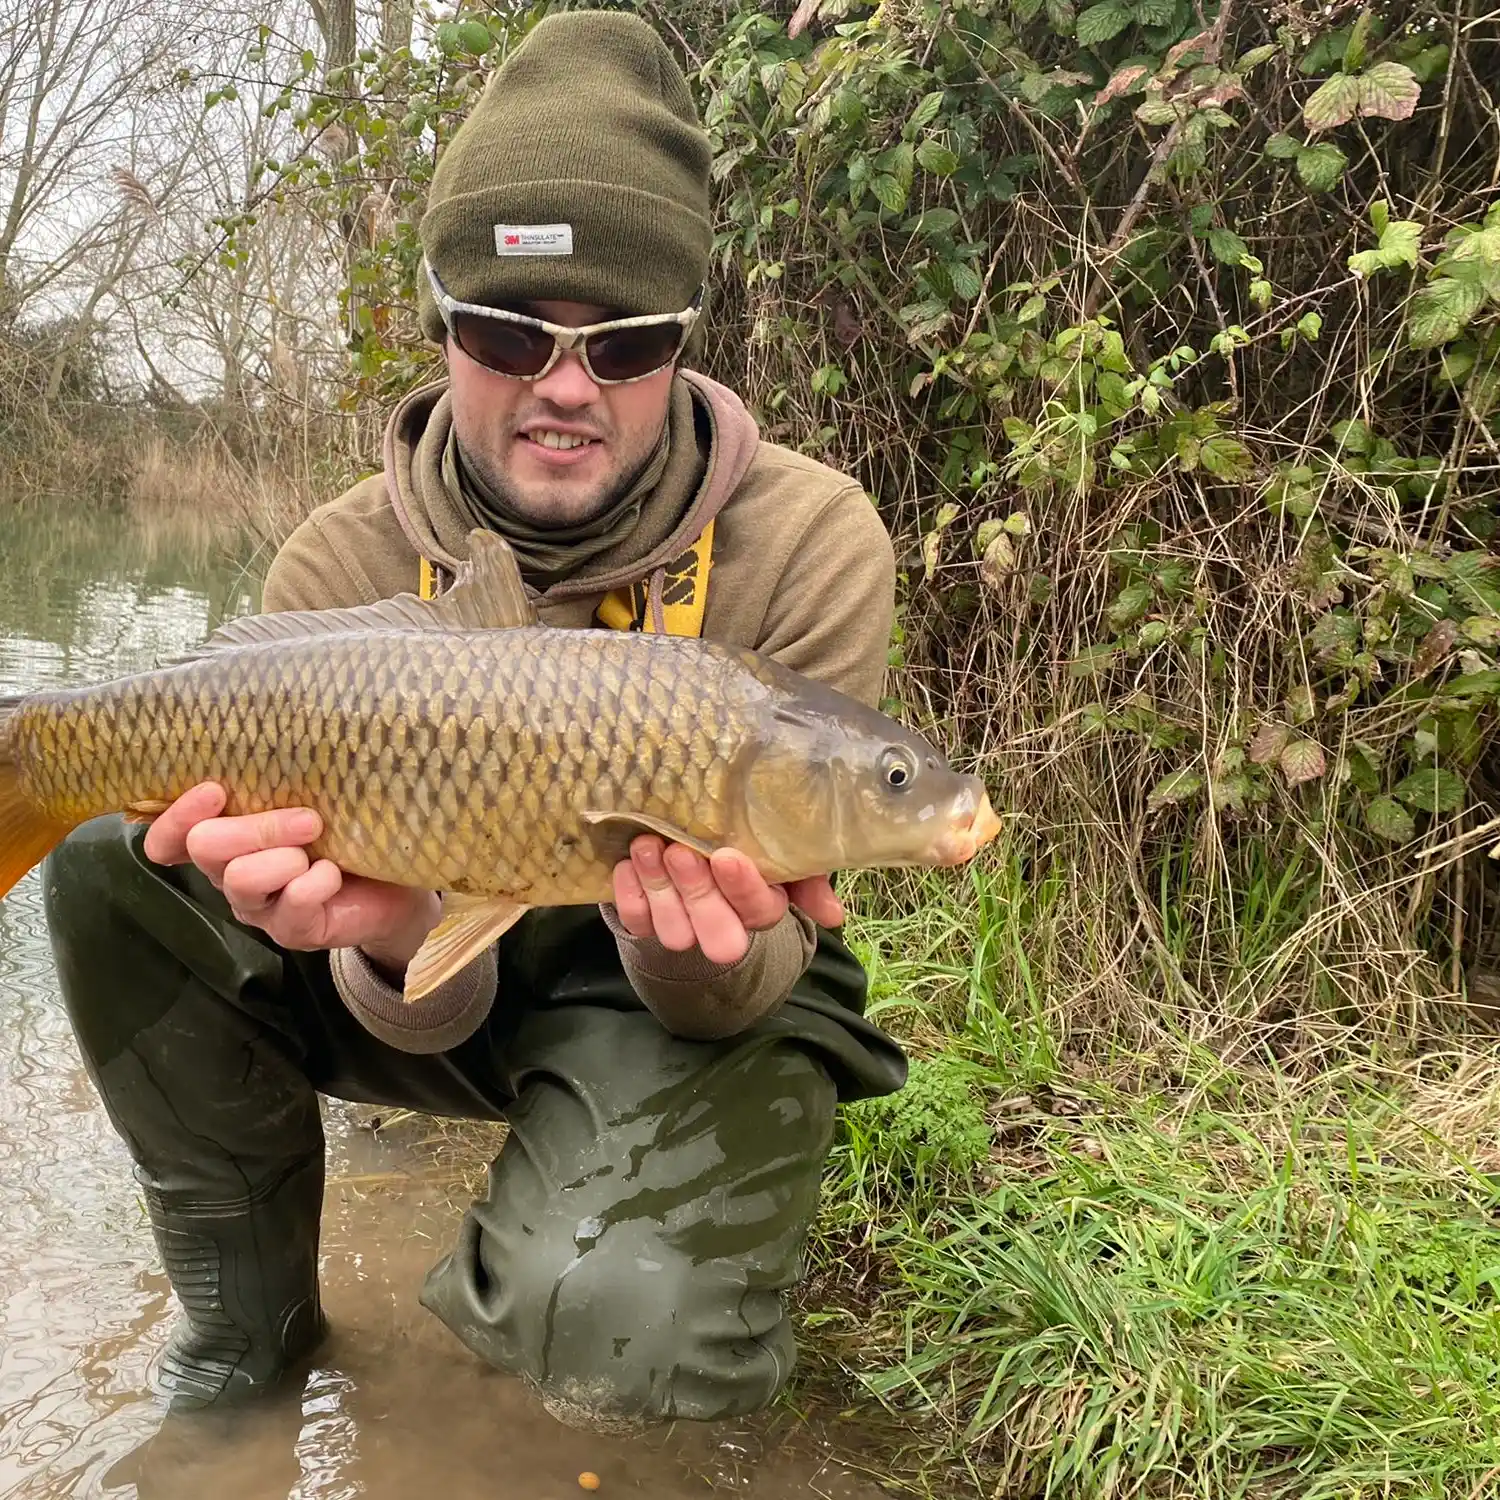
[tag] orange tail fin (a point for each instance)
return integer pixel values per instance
(27, 835)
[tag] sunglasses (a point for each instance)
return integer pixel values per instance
(523, 348)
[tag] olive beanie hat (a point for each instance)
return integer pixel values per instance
(582, 175)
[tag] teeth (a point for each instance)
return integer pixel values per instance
(563, 440)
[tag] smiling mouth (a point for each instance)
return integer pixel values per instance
(559, 442)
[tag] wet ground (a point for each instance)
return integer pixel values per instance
(393, 1406)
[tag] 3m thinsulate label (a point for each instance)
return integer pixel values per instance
(533, 239)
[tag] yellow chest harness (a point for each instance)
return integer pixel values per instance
(684, 593)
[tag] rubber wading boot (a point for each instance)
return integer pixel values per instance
(246, 1274)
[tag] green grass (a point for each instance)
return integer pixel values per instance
(1081, 1273)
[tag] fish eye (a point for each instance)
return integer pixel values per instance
(898, 768)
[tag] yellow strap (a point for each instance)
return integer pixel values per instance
(684, 593)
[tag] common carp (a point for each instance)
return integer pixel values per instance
(458, 745)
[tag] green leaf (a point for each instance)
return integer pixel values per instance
(1441, 311)
(1364, 769)
(891, 193)
(1482, 630)
(1260, 293)
(1335, 636)
(1352, 436)
(1321, 166)
(1389, 90)
(1282, 146)
(1092, 659)
(936, 158)
(1227, 246)
(474, 38)
(925, 112)
(1302, 760)
(1429, 63)
(897, 162)
(966, 280)
(1432, 790)
(1226, 458)
(1310, 325)
(1334, 103)
(1359, 35)
(1157, 112)
(1400, 245)
(1060, 16)
(1129, 605)
(1174, 788)
(1154, 12)
(1387, 819)
(935, 221)
(1301, 704)
(1101, 22)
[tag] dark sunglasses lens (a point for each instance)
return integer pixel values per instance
(508, 348)
(629, 353)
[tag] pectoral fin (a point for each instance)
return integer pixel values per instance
(469, 925)
(145, 812)
(625, 826)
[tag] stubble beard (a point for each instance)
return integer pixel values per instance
(558, 503)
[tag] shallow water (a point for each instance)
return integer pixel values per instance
(393, 1405)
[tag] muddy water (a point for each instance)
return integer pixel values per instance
(393, 1407)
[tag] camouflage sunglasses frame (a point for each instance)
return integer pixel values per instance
(564, 337)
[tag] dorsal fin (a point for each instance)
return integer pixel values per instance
(487, 594)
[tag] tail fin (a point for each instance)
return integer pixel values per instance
(27, 835)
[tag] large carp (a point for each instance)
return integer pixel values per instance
(459, 746)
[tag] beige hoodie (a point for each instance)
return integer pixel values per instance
(802, 570)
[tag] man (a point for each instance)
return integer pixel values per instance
(668, 1065)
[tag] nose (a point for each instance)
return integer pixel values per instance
(567, 383)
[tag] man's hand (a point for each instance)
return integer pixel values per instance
(674, 894)
(265, 874)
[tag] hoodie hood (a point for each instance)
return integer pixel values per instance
(712, 439)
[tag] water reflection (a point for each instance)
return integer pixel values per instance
(393, 1406)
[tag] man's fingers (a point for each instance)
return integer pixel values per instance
(717, 926)
(817, 898)
(669, 918)
(254, 881)
(304, 913)
(212, 844)
(630, 901)
(166, 838)
(755, 903)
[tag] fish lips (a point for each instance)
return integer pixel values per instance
(974, 824)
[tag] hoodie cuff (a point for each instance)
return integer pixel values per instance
(696, 998)
(451, 1014)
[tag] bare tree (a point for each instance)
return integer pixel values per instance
(75, 78)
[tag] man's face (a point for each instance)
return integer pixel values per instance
(521, 436)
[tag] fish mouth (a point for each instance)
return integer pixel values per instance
(964, 839)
